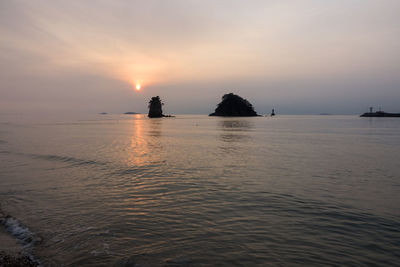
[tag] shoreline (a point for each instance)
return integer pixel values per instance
(18, 260)
(11, 253)
(8, 244)
(14, 239)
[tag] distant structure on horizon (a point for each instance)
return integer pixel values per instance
(379, 113)
(273, 112)
(233, 105)
(155, 107)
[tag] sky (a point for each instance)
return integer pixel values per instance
(299, 57)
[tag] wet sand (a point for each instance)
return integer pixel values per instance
(8, 244)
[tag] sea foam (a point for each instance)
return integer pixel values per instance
(22, 234)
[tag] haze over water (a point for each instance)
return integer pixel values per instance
(203, 191)
(300, 57)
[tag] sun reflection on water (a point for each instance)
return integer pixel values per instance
(144, 145)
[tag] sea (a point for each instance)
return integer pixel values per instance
(193, 190)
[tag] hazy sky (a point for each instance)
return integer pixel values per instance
(311, 56)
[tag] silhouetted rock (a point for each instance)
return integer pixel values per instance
(155, 107)
(379, 113)
(234, 105)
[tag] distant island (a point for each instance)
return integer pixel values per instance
(380, 114)
(131, 112)
(233, 105)
(103, 113)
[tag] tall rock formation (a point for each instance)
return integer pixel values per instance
(155, 107)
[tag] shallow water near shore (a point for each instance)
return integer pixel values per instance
(203, 191)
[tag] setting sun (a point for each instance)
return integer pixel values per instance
(138, 87)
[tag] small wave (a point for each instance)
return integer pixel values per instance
(104, 250)
(137, 170)
(24, 236)
(73, 161)
(66, 159)
(22, 233)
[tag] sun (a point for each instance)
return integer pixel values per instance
(138, 87)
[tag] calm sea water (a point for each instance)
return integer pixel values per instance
(203, 191)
